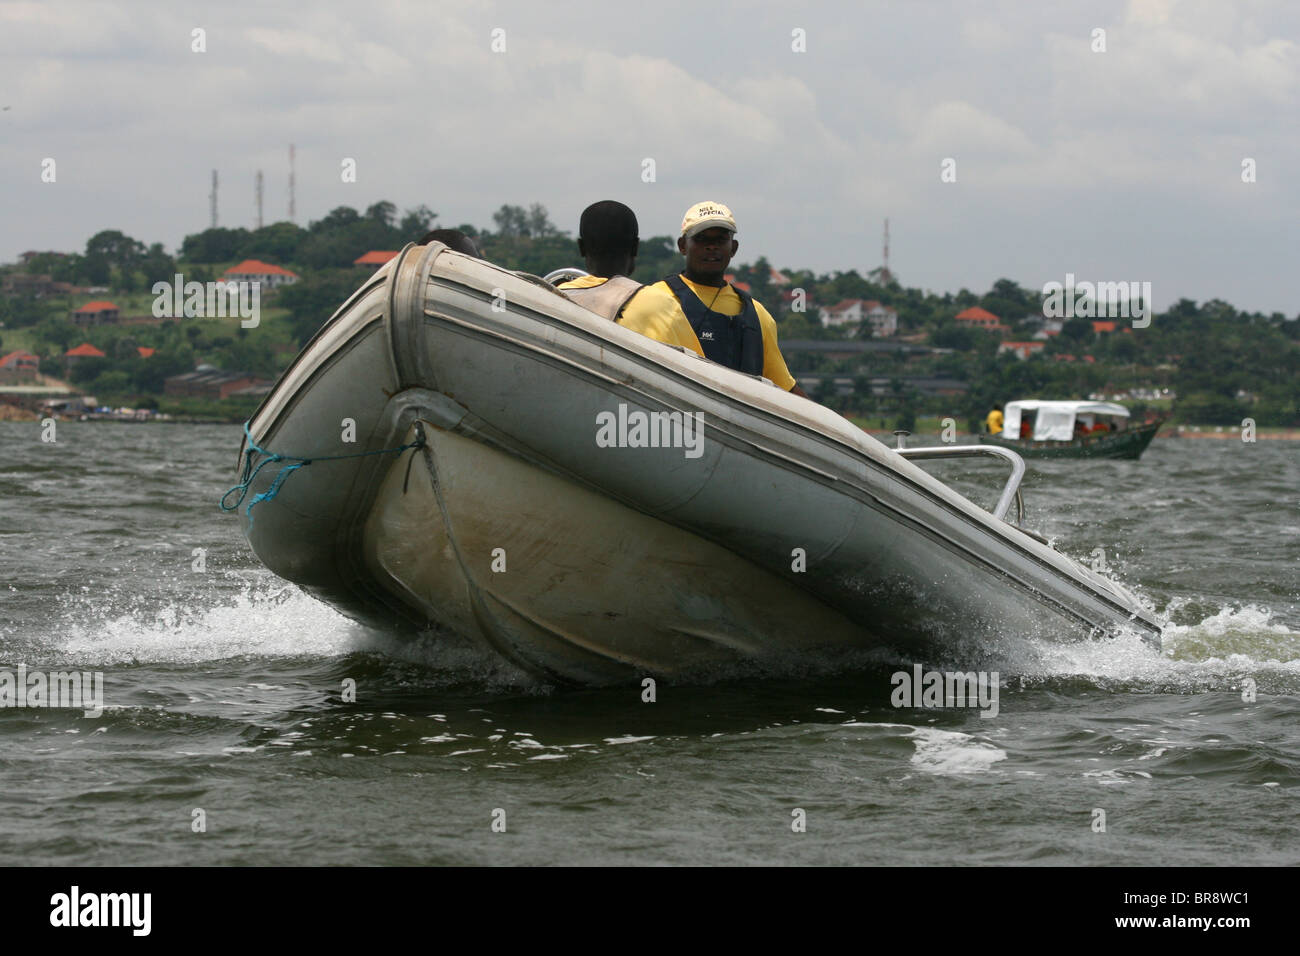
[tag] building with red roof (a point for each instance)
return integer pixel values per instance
(83, 351)
(883, 319)
(375, 258)
(1021, 350)
(95, 313)
(208, 382)
(978, 318)
(255, 270)
(1100, 327)
(19, 366)
(145, 351)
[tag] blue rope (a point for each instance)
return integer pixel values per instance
(250, 473)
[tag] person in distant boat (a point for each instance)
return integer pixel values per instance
(1026, 429)
(608, 240)
(729, 326)
(1100, 427)
(454, 239)
(993, 422)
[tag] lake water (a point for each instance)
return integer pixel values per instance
(223, 707)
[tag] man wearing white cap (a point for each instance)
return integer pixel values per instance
(730, 327)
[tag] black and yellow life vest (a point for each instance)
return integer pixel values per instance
(735, 341)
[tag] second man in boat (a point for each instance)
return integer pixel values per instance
(696, 308)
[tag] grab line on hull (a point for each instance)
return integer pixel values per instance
(250, 473)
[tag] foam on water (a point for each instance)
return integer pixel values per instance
(263, 617)
(952, 752)
(172, 622)
(260, 621)
(1216, 653)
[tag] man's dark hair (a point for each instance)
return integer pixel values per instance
(454, 239)
(608, 229)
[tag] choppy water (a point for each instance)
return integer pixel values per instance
(223, 693)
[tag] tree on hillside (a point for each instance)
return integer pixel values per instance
(157, 266)
(166, 362)
(20, 311)
(656, 258)
(337, 240)
(417, 222)
(97, 269)
(336, 218)
(1076, 330)
(1010, 302)
(69, 268)
(951, 335)
(214, 245)
(312, 301)
(538, 222)
(382, 212)
(277, 243)
(514, 222)
(120, 250)
(510, 221)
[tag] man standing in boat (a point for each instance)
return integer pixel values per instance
(608, 240)
(729, 326)
(993, 421)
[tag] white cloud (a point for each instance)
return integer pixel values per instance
(812, 150)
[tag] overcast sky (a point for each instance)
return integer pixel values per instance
(1116, 165)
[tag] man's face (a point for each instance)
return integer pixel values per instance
(709, 251)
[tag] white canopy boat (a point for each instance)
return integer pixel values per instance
(597, 506)
(1037, 428)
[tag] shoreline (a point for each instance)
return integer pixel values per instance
(16, 413)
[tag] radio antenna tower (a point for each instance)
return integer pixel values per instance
(885, 274)
(212, 200)
(259, 199)
(292, 216)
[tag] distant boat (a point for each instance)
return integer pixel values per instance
(466, 450)
(1042, 429)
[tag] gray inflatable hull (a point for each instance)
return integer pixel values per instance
(517, 523)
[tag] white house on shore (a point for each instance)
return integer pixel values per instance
(883, 319)
(254, 270)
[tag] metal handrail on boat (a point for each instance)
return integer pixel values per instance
(564, 275)
(1011, 491)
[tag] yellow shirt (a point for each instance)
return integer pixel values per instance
(994, 422)
(582, 282)
(656, 312)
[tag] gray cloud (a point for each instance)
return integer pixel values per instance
(1116, 165)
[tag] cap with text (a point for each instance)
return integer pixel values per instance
(707, 215)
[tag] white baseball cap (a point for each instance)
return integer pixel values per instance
(707, 215)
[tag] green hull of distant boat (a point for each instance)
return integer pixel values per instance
(1129, 443)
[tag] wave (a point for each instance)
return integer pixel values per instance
(266, 618)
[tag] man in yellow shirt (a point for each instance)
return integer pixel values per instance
(726, 324)
(608, 242)
(993, 422)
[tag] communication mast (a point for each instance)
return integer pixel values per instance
(259, 199)
(212, 200)
(885, 274)
(292, 216)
